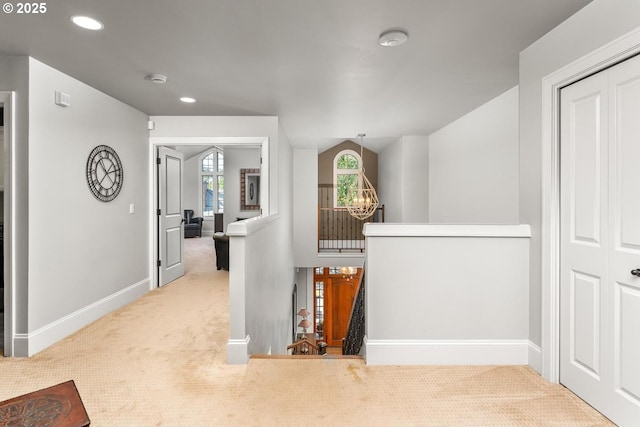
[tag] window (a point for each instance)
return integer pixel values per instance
(212, 179)
(346, 166)
(319, 310)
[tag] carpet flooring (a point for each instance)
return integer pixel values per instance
(160, 361)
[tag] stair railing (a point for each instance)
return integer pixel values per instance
(352, 343)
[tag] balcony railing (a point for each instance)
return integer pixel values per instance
(337, 230)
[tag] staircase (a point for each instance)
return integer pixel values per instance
(307, 347)
(352, 343)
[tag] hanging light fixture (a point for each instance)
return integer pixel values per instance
(362, 201)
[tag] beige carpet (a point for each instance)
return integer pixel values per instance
(161, 361)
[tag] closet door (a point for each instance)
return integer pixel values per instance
(584, 241)
(624, 208)
(600, 241)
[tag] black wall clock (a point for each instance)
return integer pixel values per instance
(104, 173)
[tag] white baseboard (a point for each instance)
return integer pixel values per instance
(29, 344)
(446, 352)
(535, 357)
(238, 351)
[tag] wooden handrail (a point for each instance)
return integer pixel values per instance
(303, 347)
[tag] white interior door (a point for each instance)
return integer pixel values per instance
(600, 241)
(170, 228)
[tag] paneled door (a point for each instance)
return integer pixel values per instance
(600, 241)
(334, 295)
(170, 228)
(339, 295)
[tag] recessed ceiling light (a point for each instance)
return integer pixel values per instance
(393, 37)
(187, 99)
(87, 22)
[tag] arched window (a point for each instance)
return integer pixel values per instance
(212, 183)
(346, 171)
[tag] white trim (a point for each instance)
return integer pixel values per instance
(535, 357)
(207, 140)
(238, 351)
(153, 224)
(55, 331)
(446, 352)
(610, 54)
(8, 99)
(378, 229)
(249, 226)
(344, 254)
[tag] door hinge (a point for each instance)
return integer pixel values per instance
(159, 212)
(159, 263)
(158, 161)
(260, 160)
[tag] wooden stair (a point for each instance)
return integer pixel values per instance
(307, 357)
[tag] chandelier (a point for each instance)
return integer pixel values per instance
(362, 201)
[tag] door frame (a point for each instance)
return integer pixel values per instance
(612, 53)
(160, 141)
(7, 98)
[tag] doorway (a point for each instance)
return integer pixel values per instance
(2, 168)
(191, 149)
(335, 289)
(600, 240)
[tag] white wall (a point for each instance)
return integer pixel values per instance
(305, 206)
(403, 180)
(473, 166)
(94, 254)
(454, 294)
(14, 76)
(191, 185)
(390, 182)
(597, 24)
(261, 273)
(306, 294)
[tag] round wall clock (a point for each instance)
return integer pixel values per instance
(104, 173)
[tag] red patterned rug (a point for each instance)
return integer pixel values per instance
(57, 406)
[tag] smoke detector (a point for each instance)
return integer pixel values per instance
(393, 37)
(157, 78)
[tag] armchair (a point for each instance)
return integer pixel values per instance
(192, 225)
